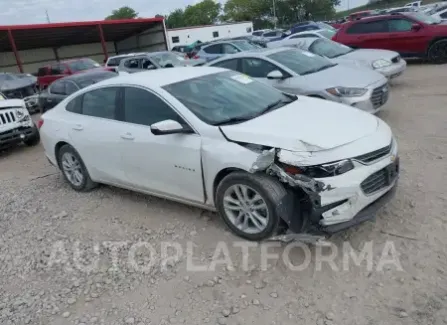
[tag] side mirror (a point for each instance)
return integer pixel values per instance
(275, 75)
(416, 27)
(168, 127)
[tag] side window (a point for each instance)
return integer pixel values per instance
(215, 34)
(175, 39)
(227, 64)
(257, 68)
(399, 25)
(75, 105)
(269, 34)
(42, 72)
(229, 49)
(213, 49)
(378, 26)
(443, 15)
(56, 69)
(144, 108)
(131, 64)
(70, 88)
(100, 103)
(147, 64)
(58, 88)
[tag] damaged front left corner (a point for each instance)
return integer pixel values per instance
(266, 162)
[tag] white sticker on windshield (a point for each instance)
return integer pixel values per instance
(242, 78)
(308, 54)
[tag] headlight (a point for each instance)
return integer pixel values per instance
(22, 115)
(321, 171)
(381, 64)
(346, 91)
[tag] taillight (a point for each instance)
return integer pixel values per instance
(39, 123)
(196, 57)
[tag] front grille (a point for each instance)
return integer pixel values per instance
(379, 96)
(380, 179)
(396, 59)
(374, 155)
(7, 117)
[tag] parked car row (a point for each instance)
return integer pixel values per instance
(268, 161)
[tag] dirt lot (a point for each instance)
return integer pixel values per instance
(41, 218)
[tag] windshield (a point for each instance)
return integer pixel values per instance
(84, 64)
(245, 45)
(327, 33)
(301, 62)
(226, 96)
(423, 18)
(6, 77)
(328, 48)
(163, 58)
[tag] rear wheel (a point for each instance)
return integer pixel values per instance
(74, 170)
(437, 52)
(248, 204)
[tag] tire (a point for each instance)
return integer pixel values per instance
(437, 52)
(34, 140)
(85, 184)
(270, 190)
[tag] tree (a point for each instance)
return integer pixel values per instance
(123, 13)
(175, 19)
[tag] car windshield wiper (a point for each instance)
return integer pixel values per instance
(234, 120)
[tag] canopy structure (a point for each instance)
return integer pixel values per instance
(27, 37)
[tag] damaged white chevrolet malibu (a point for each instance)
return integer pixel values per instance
(267, 161)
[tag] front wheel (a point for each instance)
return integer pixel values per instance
(248, 204)
(437, 52)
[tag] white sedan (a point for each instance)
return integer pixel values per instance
(217, 139)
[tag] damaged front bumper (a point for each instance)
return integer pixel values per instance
(337, 202)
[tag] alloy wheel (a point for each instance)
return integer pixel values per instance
(246, 209)
(71, 166)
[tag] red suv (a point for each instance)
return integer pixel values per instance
(412, 34)
(47, 74)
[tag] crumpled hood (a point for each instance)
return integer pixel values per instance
(18, 83)
(342, 75)
(307, 124)
(370, 55)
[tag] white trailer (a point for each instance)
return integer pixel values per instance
(188, 35)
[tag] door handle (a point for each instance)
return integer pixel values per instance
(127, 136)
(78, 127)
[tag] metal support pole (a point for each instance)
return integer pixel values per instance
(103, 43)
(14, 49)
(274, 13)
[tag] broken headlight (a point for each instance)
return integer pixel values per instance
(321, 171)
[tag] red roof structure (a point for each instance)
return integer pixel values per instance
(15, 38)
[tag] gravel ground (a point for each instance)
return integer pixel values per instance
(41, 218)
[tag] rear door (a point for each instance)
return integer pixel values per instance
(95, 131)
(368, 34)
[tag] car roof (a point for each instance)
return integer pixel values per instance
(261, 52)
(162, 77)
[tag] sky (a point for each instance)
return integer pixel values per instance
(14, 12)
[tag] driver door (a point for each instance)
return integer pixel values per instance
(161, 164)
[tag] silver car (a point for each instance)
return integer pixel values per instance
(156, 60)
(388, 63)
(300, 72)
